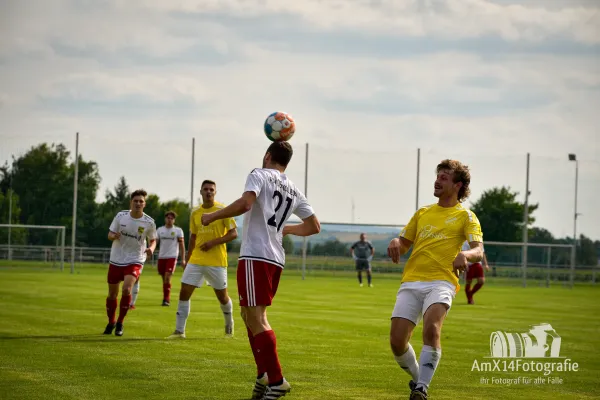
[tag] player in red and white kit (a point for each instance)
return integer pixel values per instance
(269, 199)
(474, 271)
(128, 231)
(171, 245)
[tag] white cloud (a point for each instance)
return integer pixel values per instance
(104, 86)
(452, 19)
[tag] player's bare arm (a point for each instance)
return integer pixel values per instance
(238, 207)
(475, 254)
(485, 262)
(191, 247)
(113, 235)
(181, 243)
(228, 237)
(398, 247)
(309, 226)
(150, 249)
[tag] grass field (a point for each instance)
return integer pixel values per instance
(332, 340)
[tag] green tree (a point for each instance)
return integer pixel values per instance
(17, 235)
(501, 215)
(586, 252)
(43, 180)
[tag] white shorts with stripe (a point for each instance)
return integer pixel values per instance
(195, 275)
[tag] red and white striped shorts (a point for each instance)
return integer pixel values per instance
(257, 282)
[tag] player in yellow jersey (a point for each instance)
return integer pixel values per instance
(206, 260)
(430, 279)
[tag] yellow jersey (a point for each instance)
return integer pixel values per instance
(437, 234)
(216, 256)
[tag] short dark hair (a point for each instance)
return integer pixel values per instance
(281, 152)
(207, 182)
(170, 212)
(460, 173)
(139, 192)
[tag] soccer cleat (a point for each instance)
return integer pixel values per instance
(229, 330)
(360, 284)
(418, 394)
(109, 328)
(371, 285)
(275, 392)
(132, 306)
(176, 335)
(412, 385)
(119, 329)
(471, 301)
(165, 303)
(260, 387)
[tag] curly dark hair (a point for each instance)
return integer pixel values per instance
(460, 173)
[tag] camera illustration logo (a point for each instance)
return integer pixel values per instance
(541, 341)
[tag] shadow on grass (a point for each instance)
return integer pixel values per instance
(98, 338)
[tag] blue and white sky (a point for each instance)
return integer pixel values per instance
(368, 82)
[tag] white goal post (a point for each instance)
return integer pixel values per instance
(61, 229)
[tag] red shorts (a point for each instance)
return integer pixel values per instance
(117, 274)
(257, 282)
(166, 265)
(474, 271)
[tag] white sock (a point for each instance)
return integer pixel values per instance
(408, 362)
(428, 362)
(183, 312)
(134, 292)
(227, 312)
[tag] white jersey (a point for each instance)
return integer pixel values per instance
(169, 241)
(130, 248)
(277, 198)
(466, 246)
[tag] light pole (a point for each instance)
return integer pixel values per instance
(573, 157)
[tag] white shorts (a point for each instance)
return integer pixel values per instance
(414, 298)
(195, 275)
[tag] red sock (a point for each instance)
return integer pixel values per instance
(476, 288)
(111, 310)
(123, 308)
(468, 290)
(167, 291)
(266, 345)
(260, 369)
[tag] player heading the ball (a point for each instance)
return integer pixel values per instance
(269, 199)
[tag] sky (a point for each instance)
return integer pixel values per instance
(368, 82)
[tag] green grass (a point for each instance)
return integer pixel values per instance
(332, 340)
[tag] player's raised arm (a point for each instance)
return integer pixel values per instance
(309, 226)
(238, 207)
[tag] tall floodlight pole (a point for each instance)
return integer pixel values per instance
(573, 157)
(74, 223)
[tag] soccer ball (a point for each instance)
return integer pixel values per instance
(279, 126)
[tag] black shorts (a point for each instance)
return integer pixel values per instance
(363, 265)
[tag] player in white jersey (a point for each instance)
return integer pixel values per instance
(268, 200)
(128, 231)
(171, 245)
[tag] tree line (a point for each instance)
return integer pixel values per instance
(41, 181)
